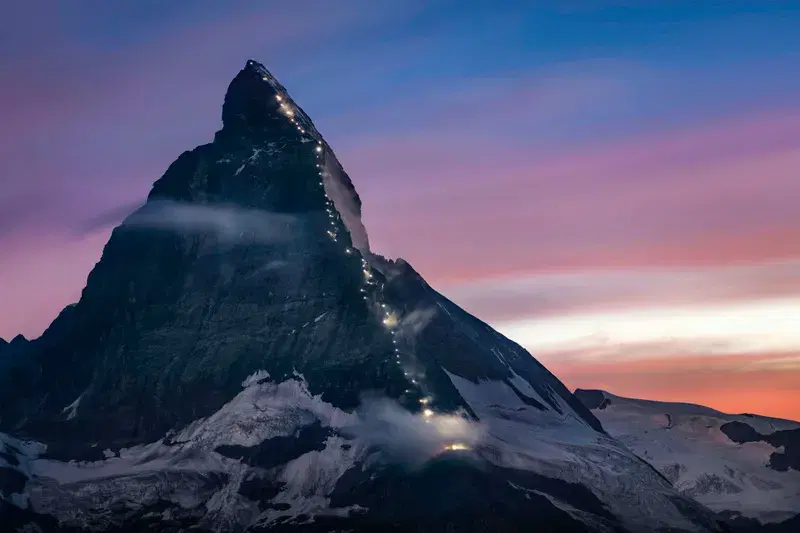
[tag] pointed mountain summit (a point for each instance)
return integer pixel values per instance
(11, 352)
(241, 361)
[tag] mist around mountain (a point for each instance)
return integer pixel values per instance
(241, 360)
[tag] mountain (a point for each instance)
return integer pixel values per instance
(741, 466)
(240, 360)
(10, 352)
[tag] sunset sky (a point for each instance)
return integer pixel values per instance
(615, 184)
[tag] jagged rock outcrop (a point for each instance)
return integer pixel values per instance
(11, 352)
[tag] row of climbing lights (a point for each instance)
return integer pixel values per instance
(389, 318)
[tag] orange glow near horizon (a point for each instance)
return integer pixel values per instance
(723, 383)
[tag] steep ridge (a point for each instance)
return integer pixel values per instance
(241, 360)
(742, 466)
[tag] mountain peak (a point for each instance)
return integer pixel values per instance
(19, 339)
(256, 104)
(593, 398)
(239, 347)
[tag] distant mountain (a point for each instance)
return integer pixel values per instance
(741, 466)
(11, 352)
(240, 360)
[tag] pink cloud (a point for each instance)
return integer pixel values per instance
(710, 188)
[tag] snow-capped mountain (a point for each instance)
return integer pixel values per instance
(738, 465)
(240, 360)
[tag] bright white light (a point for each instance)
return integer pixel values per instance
(427, 413)
(390, 320)
(319, 148)
(424, 401)
(456, 446)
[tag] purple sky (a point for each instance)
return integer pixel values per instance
(494, 144)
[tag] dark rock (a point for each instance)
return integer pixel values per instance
(279, 450)
(454, 495)
(11, 481)
(739, 432)
(592, 399)
(9, 458)
(789, 439)
(261, 490)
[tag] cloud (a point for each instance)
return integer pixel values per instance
(109, 218)
(757, 326)
(790, 363)
(228, 223)
(414, 322)
(581, 291)
(411, 438)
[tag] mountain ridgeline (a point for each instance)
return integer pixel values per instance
(240, 360)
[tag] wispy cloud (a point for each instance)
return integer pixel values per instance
(582, 291)
(630, 314)
(228, 223)
(412, 438)
(758, 326)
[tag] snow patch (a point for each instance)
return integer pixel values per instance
(187, 471)
(72, 409)
(24, 452)
(559, 446)
(255, 378)
(311, 478)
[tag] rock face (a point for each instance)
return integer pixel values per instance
(240, 360)
(11, 352)
(742, 466)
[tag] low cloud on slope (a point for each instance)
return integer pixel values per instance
(229, 223)
(411, 438)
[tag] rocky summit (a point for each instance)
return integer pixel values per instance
(240, 360)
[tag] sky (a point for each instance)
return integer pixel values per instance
(613, 184)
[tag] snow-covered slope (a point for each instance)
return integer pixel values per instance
(725, 461)
(277, 456)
